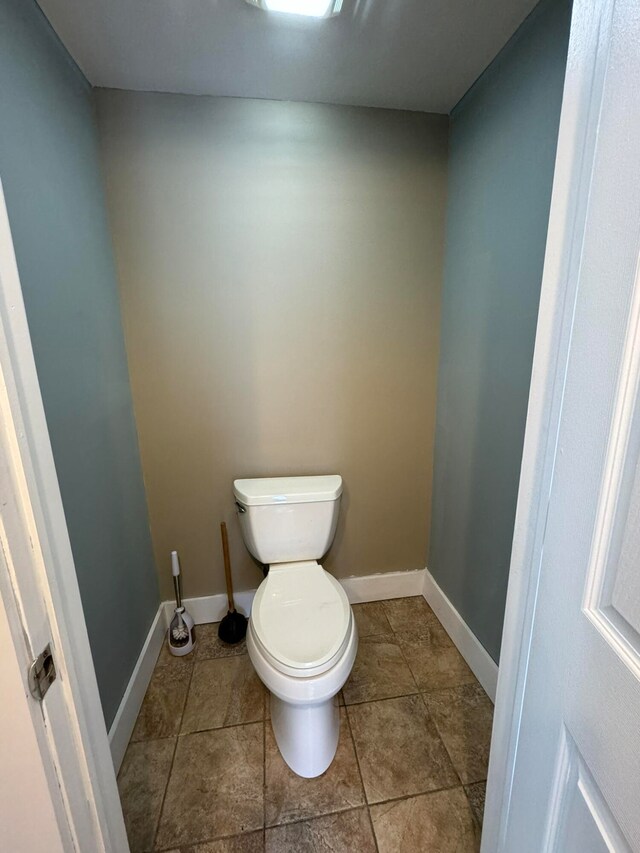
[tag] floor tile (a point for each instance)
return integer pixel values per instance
(440, 822)
(164, 700)
(223, 692)
(476, 794)
(463, 717)
(408, 748)
(371, 619)
(209, 645)
(250, 842)
(379, 672)
(142, 781)
(165, 658)
(290, 798)
(434, 660)
(346, 831)
(398, 749)
(216, 786)
(409, 616)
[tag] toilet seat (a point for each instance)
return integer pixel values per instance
(301, 619)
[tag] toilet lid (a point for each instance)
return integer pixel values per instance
(301, 615)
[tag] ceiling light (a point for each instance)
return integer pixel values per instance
(307, 8)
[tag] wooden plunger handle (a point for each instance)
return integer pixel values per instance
(227, 564)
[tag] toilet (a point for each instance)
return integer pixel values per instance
(302, 638)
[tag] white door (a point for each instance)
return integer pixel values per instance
(25, 790)
(59, 789)
(565, 768)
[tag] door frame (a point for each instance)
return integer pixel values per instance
(82, 784)
(583, 89)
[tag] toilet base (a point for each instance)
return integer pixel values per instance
(307, 735)
(304, 711)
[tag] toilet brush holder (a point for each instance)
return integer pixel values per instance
(181, 635)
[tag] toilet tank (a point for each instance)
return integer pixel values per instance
(288, 519)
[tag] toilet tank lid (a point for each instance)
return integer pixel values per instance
(295, 490)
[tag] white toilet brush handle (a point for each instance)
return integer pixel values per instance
(175, 564)
(175, 571)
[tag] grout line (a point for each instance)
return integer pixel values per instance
(441, 739)
(407, 664)
(173, 757)
(477, 822)
(186, 698)
(164, 796)
(150, 740)
(381, 699)
(221, 728)
(364, 792)
(373, 831)
(355, 752)
(475, 683)
(418, 794)
(334, 813)
(366, 802)
(193, 847)
(264, 767)
(233, 656)
(311, 818)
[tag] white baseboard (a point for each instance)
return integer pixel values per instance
(125, 718)
(382, 586)
(480, 661)
(211, 608)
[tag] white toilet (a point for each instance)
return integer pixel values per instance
(302, 637)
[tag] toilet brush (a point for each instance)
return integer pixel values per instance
(233, 627)
(181, 635)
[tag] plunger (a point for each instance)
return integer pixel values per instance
(233, 627)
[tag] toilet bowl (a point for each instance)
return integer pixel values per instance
(302, 638)
(304, 666)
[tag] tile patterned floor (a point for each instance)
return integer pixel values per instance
(202, 773)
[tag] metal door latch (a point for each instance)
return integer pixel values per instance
(42, 674)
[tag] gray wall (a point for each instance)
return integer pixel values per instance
(280, 266)
(50, 171)
(502, 150)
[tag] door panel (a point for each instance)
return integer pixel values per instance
(612, 594)
(581, 819)
(575, 773)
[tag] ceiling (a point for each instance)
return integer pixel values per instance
(404, 54)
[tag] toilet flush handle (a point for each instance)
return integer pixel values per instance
(240, 508)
